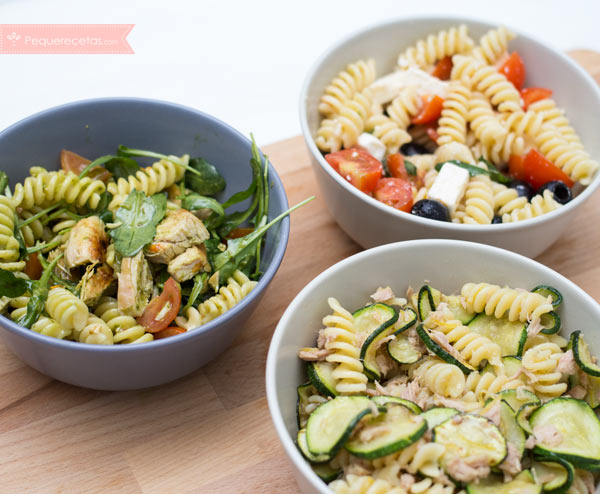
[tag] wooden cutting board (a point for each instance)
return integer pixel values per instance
(209, 432)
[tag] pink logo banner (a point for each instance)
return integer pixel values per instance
(60, 39)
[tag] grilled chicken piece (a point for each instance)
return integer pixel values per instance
(179, 231)
(94, 284)
(185, 266)
(87, 242)
(135, 285)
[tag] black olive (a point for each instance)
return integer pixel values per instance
(496, 220)
(560, 191)
(411, 148)
(522, 188)
(434, 210)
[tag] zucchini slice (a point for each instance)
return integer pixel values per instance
(523, 414)
(516, 399)
(512, 365)
(510, 429)
(549, 291)
(384, 400)
(551, 323)
(303, 447)
(401, 428)
(427, 301)
(440, 352)
(305, 391)
(407, 317)
(321, 377)
(455, 306)
(373, 322)
(402, 350)
(510, 336)
(555, 476)
(332, 423)
(582, 355)
(326, 472)
(468, 436)
(578, 427)
(435, 416)
(523, 483)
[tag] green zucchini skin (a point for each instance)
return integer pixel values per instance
(582, 354)
(383, 400)
(303, 447)
(523, 483)
(510, 336)
(320, 377)
(523, 414)
(510, 429)
(326, 473)
(510, 397)
(553, 325)
(426, 302)
(440, 352)
(546, 291)
(435, 416)
(304, 392)
(561, 488)
(402, 351)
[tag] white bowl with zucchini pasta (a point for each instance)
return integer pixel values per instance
(438, 366)
(136, 238)
(441, 127)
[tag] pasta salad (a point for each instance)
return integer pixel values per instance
(453, 133)
(473, 393)
(112, 252)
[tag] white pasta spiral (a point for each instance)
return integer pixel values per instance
(540, 204)
(486, 384)
(405, 106)
(437, 46)
(125, 328)
(484, 124)
(340, 338)
(34, 230)
(9, 245)
(420, 457)
(492, 45)
(354, 484)
(441, 378)
(452, 125)
(150, 180)
(356, 77)
(95, 332)
(353, 117)
(542, 361)
(19, 304)
(428, 180)
(550, 114)
(67, 309)
(523, 123)
(517, 305)
(329, 135)
(506, 199)
(49, 327)
(387, 131)
(479, 201)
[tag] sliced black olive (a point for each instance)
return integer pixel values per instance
(411, 148)
(496, 220)
(561, 192)
(428, 208)
(522, 188)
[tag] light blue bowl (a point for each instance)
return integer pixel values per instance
(96, 127)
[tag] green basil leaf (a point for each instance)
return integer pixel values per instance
(411, 169)
(11, 286)
(207, 180)
(475, 170)
(138, 217)
(122, 167)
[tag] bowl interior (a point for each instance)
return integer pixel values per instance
(546, 67)
(400, 265)
(97, 127)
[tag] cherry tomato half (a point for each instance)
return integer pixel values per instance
(395, 192)
(395, 164)
(516, 166)
(72, 162)
(538, 170)
(33, 267)
(161, 310)
(514, 70)
(532, 94)
(431, 110)
(167, 332)
(432, 132)
(443, 68)
(357, 166)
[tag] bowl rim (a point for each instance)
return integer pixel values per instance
(444, 227)
(266, 278)
(287, 442)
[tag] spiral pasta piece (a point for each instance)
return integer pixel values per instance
(439, 377)
(517, 305)
(420, 457)
(506, 199)
(541, 361)
(523, 123)
(486, 384)
(35, 230)
(149, 180)
(484, 124)
(452, 125)
(428, 179)
(479, 201)
(340, 339)
(124, 328)
(445, 43)
(19, 306)
(550, 114)
(44, 188)
(329, 135)
(353, 79)
(49, 327)
(501, 151)
(353, 117)
(540, 204)
(66, 309)
(405, 106)
(492, 45)
(95, 332)
(387, 131)
(9, 245)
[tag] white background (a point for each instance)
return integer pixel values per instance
(242, 61)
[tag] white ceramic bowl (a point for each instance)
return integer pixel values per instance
(447, 264)
(370, 222)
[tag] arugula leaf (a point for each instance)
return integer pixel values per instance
(11, 286)
(192, 202)
(208, 181)
(240, 196)
(475, 170)
(198, 288)
(138, 217)
(122, 167)
(97, 162)
(240, 249)
(3, 181)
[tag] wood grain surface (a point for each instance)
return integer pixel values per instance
(209, 432)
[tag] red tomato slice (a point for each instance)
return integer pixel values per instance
(167, 332)
(33, 267)
(161, 310)
(432, 132)
(395, 192)
(72, 162)
(431, 111)
(514, 70)
(239, 232)
(538, 170)
(395, 164)
(357, 166)
(443, 68)
(516, 166)
(532, 94)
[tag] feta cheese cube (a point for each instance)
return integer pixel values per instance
(373, 145)
(386, 88)
(449, 186)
